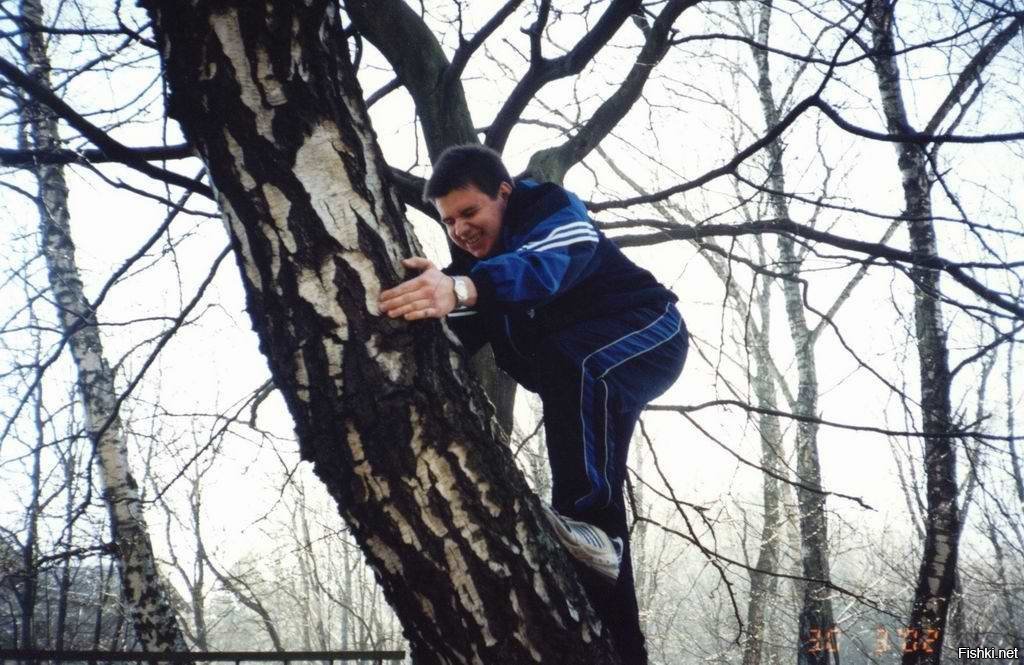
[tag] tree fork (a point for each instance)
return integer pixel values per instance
(436, 89)
(267, 95)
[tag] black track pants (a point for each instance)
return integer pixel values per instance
(594, 380)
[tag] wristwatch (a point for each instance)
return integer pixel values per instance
(461, 290)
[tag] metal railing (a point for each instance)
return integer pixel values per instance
(37, 656)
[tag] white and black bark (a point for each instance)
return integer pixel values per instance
(763, 582)
(28, 578)
(936, 578)
(154, 621)
(816, 623)
(384, 409)
(69, 463)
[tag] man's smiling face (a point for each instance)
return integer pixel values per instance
(473, 219)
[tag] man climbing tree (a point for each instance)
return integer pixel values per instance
(571, 318)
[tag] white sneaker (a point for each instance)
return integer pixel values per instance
(588, 544)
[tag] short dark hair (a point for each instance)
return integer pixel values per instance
(463, 165)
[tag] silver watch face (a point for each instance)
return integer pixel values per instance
(461, 291)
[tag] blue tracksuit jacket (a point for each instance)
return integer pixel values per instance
(554, 268)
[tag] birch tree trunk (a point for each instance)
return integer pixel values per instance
(936, 579)
(64, 584)
(762, 582)
(28, 594)
(385, 410)
(817, 629)
(155, 622)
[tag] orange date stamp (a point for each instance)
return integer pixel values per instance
(900, 640)
(908, 640)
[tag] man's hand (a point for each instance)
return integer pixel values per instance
(430, 295)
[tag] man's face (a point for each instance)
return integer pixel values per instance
(474, 219)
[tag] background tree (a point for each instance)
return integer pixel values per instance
(154, 620)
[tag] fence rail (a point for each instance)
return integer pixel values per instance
(237, 657)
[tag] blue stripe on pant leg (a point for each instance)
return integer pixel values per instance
(602, 361)
(592, 465)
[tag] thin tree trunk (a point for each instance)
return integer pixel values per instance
(267, 95)
(197, 588)
(314, 624)
(936, 579)
(817, 629)
(104, 589)
(638, 541)
(29, 594)
(64, 582)
(763, 584)
(244, 594)
(1018, 475)
(346, 612)
(154, 621)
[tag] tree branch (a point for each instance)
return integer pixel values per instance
(774, 132)
(410, 190)
(467, 48)
(868, 51)
(686, 409)
(111, 148)
(787, 226)
(383, 91)
(973, 69)
(420, 64)
(916, 138)
(31, 157)
(544, 71)
(551, 164)
(726, 169)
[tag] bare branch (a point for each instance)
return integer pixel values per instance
(786, 226)
(544, 71)
(685, 409)
(33, 157)
(383, 91)
(420, 64)
(102, 140)
(552, 163)
(973, 69)
(468, 48)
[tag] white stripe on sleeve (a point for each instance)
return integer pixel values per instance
(557, 233)
(568, 240)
